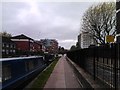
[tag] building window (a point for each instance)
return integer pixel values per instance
(11, 46)
(14, 46)
(3, 45)
(7, 45)
(6, 72)
(13, 51)
(31, 50)
(7, 52)
(3, 50)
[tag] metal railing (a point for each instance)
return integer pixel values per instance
(103, 62)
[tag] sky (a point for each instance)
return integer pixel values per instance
(45, 20)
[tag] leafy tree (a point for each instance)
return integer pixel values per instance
(61, 50)
(77, 45)
(73, 47)
(100, 20)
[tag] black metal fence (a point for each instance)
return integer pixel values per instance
(103, 62)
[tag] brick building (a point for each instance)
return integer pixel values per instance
(26, 44)
(42, 46)
(37, 47)
(8, 47)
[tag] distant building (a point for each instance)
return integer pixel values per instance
(85, 40)
(8, 47)
(54, 46)
(42, 46)
(46, 42)
(26, 44)
(51, 45)
(37, 47)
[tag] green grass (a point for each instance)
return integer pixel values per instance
(43, 77)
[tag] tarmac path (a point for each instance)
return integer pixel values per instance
(63, 76)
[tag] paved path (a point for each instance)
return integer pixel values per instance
(62, 76)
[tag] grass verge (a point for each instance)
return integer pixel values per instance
(43, 77)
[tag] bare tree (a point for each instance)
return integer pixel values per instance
(5, 34)
(100, 20)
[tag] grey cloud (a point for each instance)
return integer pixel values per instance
(44, 20)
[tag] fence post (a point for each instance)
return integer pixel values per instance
(118, 63)
(115, 62)
(94, 64)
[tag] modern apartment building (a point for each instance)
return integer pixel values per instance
(85, 40)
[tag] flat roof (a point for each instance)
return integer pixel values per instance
(18, 58)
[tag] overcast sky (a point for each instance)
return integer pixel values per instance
(39, 20)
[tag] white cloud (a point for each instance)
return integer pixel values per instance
(67, 43)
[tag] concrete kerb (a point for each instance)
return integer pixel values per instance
(85, 78)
